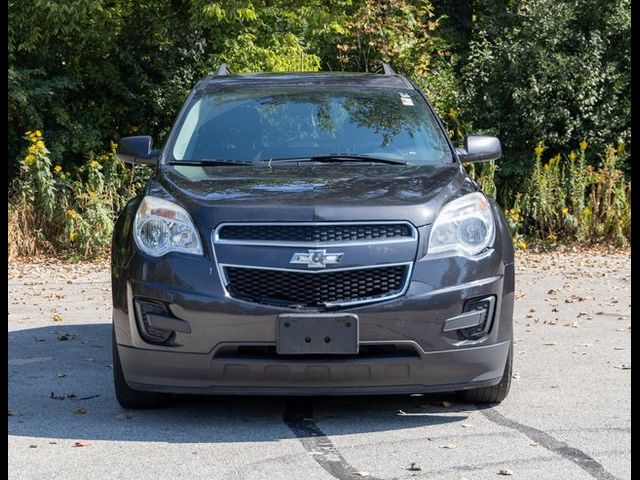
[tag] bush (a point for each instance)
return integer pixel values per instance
(51, 210)
(567, 200)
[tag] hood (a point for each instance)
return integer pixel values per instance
(311, 193)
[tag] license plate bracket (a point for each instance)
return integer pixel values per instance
(299, 334)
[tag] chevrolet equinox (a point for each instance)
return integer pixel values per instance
(310, 234)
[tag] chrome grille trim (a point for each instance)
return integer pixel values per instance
(225, 281)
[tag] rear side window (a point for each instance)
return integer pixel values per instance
(259, 125)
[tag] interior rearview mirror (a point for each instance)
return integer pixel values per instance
(137, 150)
(480, 148)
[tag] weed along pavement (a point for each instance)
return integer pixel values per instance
(567, 415)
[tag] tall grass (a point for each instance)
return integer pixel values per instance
(55, 211)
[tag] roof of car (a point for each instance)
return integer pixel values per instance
(343, 79)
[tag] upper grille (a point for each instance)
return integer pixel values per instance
(288, 288)
(316, 233)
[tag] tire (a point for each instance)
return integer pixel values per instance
(496, 393)
(128, 397)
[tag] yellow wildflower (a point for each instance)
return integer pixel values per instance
(57, 168)
(621, 147)
(565, 210)
(546, 167)
(539, 149)
(586, 211)
(522, 245)
(37, 134)
(572, 156)
(71, 213)
(94, 164)
(583, 145)
(29, 159)
(33, 149)
(72, 236)
(453, 113)
(114, 146)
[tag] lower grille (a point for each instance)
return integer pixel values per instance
(289, 288)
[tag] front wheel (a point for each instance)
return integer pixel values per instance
(496, 393)
(127, 397)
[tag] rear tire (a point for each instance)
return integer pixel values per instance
(496, 393)
(128, 397)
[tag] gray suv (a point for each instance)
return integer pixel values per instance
(310, 234)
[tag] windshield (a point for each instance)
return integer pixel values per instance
(259, 126)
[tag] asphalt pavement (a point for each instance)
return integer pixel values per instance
(568, 415)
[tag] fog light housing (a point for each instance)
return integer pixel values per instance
(146, 308)
(485, 306)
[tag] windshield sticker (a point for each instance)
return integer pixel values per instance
(406, 101)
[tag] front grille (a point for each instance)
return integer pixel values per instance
(316, 233)
(289, 288)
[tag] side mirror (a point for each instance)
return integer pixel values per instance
(480, 148)
(137, 150)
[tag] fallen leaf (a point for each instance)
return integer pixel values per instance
(534, 444)
(466, 425)
(516, 376)
(61, 375)
(66, 336)
(13, 413)
(362, 474)
(505, 471)
(81, 444)
(127, 416)
(550, 344)
(414, 467)
(33, 446)
(624, 366)
(448, 446)
(57, 317)
(53, 443)
(446, 404)
(618, 348)
(80, 411)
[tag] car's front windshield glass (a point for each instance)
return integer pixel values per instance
(263, 125)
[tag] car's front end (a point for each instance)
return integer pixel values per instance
(312, 279)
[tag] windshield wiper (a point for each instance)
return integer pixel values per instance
(209, 162)
(339, 157)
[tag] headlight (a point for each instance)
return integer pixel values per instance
(464, 225)
(161, 226)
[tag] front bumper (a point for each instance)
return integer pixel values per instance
(191, 288)
(449, 370)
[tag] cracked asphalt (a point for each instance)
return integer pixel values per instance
(568, 414)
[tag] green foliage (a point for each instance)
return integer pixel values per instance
(567, 200)
(554, 70)
(86, 72)
(50, 209)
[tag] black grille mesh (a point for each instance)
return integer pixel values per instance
(276, 287)
(315, 233)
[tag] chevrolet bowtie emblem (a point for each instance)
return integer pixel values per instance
(316, 258)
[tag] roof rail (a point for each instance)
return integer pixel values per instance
(222, 70)
(387, 69)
